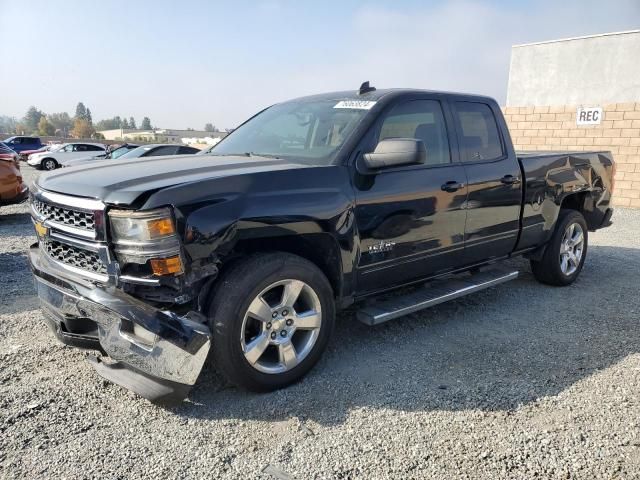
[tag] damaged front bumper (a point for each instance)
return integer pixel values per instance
(155, 353)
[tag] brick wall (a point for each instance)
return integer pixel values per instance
(554, 128)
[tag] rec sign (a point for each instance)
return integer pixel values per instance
(588, 116)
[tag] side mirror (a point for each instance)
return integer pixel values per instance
(394, 152)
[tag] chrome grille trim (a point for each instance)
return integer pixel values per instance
(87, 262)
(76, 235)
(81, 217)
(76, 219)
(80, 203)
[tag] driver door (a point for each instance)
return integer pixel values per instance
(410, 219)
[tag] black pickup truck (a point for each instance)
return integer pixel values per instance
(245, 255)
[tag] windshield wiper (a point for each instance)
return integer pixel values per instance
(265, 155)
(247, 154)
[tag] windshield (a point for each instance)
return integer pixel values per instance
(135, 153)
(119, 152)
(311, 131)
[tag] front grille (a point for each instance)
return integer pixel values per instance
(74, 256)
(65, 216)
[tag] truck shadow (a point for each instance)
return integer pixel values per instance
(17, 293)
(15, 225)
(495, 350)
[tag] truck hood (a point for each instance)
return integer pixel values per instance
(121, 182)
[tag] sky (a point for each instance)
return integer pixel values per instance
(185, 63)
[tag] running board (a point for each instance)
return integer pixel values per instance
(433, 293)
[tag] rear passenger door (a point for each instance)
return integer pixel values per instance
(410, 219)
(80, 150)
(96, 151)
(494, 180)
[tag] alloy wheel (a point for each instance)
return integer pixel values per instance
(281, 326)
(571, 249)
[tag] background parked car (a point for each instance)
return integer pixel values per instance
(206, 151)
(68, 151)
(156, 150)
(20, 143)
(112, 153)
(12, 187)
(8, 154)
(24, 155)
(116, 151)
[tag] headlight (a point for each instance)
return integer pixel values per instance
(140, 227)
(147, 236)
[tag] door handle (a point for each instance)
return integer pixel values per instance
(452, 186)
(510, 180)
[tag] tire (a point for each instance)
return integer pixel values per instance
(239, 336)
(552, 268)
(48, 164)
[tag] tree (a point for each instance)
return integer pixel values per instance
(61, 122)
(82, 128)
(109, 123)
(124, 123)
(45, 127)
(88, 117)
(146, 124)
(81, 111)
(209, 127)
(132, 123)
(31, 119)
(7, 124)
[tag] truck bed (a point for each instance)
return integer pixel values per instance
(545, 153)
(549, 177)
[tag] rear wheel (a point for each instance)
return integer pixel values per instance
(271, 317)
(49, 164)
(565, 254)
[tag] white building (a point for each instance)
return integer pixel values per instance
(161, 135)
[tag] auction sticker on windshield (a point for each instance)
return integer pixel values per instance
(355, 104)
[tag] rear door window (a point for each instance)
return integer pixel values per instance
(187, 150)
(478, 131)
(168, 150)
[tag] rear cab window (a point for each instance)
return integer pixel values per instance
(478, 132)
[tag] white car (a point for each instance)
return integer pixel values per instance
(69, 151)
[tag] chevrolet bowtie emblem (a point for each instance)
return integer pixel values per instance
(41, 230)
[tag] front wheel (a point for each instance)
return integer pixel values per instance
(271, 316)
(565, 254)
(49, 164)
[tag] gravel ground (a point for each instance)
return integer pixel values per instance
(518, 381)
